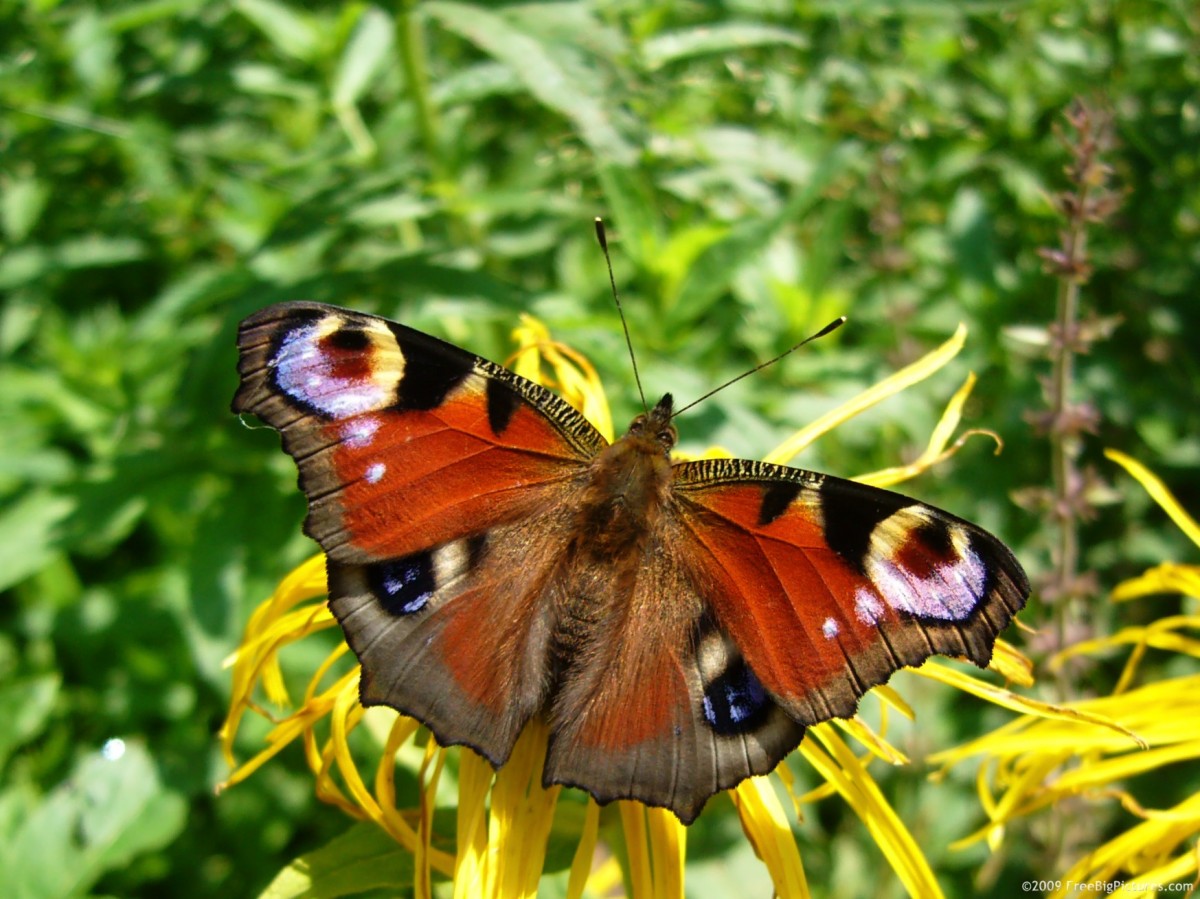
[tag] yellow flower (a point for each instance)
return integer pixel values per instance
(1039, 763)
(499, 847)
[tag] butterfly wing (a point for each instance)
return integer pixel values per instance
(827, 586)
(439, 487)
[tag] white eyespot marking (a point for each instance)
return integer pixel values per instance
(830, 629)
(712, 655)
(451, 561)
(867, 608)
(306, 369)
(359, 432)
(375, 472)
(916, 575)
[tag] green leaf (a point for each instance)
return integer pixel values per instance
(21, 203)
(138, 15)
(716, 267)
(24, 708)
(970, 227)
(296, 35)
(365, 55)
(95, 250)
(29, 531)
(94, 54)
(363, 858)
(719, 37)
(634, 213)
(551, 83)
(110, 810)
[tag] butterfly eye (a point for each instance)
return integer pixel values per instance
(667, 437)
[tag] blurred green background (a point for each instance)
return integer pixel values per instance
(168, 166)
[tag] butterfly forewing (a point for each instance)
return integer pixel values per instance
(403, 441)
(492, 558)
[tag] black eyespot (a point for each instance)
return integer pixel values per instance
(404, 586)
(736, 701)
(349, 338)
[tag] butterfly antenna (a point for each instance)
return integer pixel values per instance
(602, 237)
(828, 329)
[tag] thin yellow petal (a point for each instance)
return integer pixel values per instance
(766, 825)
(522, 812)
(842, 769)
(1169, 577)
(1158, 492)
(573, 375)
(257, 661)
(1150, 883)
(1011, 664)
(344, 718)
(435, 758)
(1009, 700)
(633, 825)
(668, 848)
(401, 732)
(471, 861)
(1160, 634)
(1130, 849)
(607, 878)
(936, 452)
(1094, 773)
(906, 377)
(875, 744)
(784, 773)
(585, 853)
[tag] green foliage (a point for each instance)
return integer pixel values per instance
(363, 858)
(171, 165)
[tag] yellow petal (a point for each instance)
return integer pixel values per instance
(1168, 577)
(893, 384)
(1011, 664)
(768, 829)
(1009, 700)
(936, 452)
(633, 824)
(875, 744)
(573, 376)
(1159, 492)
(522, 812)
(1149, 840)
(668, 848)
(582, 875)
(842, 769)
(470, 870)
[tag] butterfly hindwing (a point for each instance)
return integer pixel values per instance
(456, 635)
(655, 701)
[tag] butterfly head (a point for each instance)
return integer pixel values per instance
(656, 424)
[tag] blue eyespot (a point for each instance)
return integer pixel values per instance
(403, 586)
(735, 702)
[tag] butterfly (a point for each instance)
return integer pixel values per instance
(491, 557)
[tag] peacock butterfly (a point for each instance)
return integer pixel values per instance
(492, 557)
